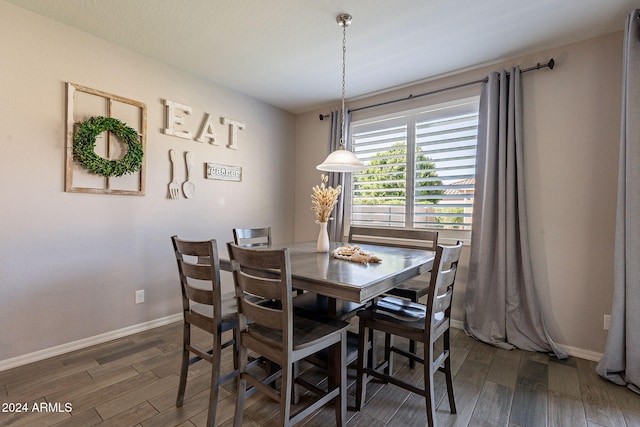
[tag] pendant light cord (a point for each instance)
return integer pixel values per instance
(344, 60)
(341, 159)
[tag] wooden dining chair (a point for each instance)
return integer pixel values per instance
(412, 289)
(255, 237)
(279, 335)
(206, 308)
(252, 237)
(422, 323)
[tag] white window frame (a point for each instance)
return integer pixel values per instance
(410, 117)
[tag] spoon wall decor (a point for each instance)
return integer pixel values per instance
(188, 187)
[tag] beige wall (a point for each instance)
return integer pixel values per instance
(70, 262)
(572, 121)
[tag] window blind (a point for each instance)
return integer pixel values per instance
(420, 168)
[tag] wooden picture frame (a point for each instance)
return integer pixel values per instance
(83, 103)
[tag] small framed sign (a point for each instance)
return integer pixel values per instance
(224, 172)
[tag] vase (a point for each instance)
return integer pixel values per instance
(323, 238)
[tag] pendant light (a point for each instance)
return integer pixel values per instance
(342, 160)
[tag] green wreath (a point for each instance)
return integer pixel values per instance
(84, 144)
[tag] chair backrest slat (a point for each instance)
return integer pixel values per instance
(260, 286)
(445, 278)
(442, 302)
(200, 296)
(193, 248)
(252, 237)
(399, 237)
(197, 271)
(263, 315)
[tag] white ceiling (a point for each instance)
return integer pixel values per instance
(288, 52)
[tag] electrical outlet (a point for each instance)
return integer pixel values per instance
(607, 321)
(139, 296)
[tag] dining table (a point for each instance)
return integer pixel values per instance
(339, 284)
(336, 287)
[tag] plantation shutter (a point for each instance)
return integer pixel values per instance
(444, 196)
(379, 192)
(420, 168)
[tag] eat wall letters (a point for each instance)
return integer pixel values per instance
(174, 116)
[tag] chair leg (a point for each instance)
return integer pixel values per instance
(236, 347)
(215, 382)
(186, 341)
(412, 343)
(241, 392)
(295, 390)
(447, 372)
(388, 343)
(373, 353)
(429, 392)
(338, 378)
(361, 381)
(286, 392)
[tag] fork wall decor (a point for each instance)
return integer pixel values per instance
(188, 186)
(174, 187)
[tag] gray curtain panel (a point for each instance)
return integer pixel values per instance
(501, 305)
(336, 226)
(621, 360)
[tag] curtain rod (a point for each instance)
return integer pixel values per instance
(550, 64)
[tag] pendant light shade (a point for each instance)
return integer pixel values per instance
(342, 160)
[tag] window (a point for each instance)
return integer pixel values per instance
(420, 168)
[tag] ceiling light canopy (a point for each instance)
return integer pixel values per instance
(342, 160)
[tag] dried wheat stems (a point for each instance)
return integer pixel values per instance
(323, 199)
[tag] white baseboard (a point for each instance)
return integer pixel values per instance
(581, 353)
(571, 351)
(86, 342)
(108, 336)
(457, 324)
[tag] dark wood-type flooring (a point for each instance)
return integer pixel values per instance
(133, 381)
